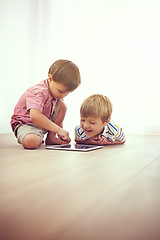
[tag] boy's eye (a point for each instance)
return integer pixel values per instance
(92, 123)
(60, 91)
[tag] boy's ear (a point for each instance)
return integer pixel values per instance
(106, 122)
(50, 77)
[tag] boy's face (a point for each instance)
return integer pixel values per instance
(92, 126)
(58, 90)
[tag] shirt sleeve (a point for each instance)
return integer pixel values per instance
(114, 133)
(79, 133)
(35, 100)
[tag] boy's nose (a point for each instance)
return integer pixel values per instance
(64, 94)
(86, 125)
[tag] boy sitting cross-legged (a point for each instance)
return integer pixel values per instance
(40, 109)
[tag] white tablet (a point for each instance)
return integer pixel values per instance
(74, 147)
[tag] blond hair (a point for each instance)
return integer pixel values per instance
(66, 73)
(96, 106)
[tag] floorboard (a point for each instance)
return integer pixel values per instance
(111, 193)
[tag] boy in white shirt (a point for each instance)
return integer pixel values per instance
(95, 125)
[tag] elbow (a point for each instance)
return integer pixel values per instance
(123, 141)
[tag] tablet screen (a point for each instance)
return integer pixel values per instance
(74, 147)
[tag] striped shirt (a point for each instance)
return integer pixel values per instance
(112, 132)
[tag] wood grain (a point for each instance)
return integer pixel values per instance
(112, 193)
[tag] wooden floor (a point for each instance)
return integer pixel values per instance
(107, 194)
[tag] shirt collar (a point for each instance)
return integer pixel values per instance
(49, 91)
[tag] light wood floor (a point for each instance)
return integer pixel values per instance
(108, 194)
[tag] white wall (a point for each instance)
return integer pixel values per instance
(114, 43)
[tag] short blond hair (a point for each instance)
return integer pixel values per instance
(66, 73)
(97, 106)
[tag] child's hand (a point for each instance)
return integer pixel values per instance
(96, 140)
(64, 141)
(64, 136)
(92, 141)
(102, 140)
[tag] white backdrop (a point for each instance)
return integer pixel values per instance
(116, 45)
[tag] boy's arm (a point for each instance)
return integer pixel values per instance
(42, 121)
(89, 141)
(111, 135)
(99, 140)
(93, 141)
(102, 140)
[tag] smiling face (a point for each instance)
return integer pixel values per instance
(92, 126)
(95, 112)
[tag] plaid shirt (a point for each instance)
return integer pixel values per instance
(38, 97)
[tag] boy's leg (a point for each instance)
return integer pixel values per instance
(31, 141)
(30, 136)
(51, 136)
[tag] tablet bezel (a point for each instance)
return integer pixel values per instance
(86, 148)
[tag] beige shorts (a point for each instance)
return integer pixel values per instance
(22, 131)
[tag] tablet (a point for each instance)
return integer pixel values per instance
(74, 147)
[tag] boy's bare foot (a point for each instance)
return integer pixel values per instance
(54, 140)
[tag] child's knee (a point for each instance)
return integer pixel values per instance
(62, 111)
(61, 114)
(31, 141)
(63, 107)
